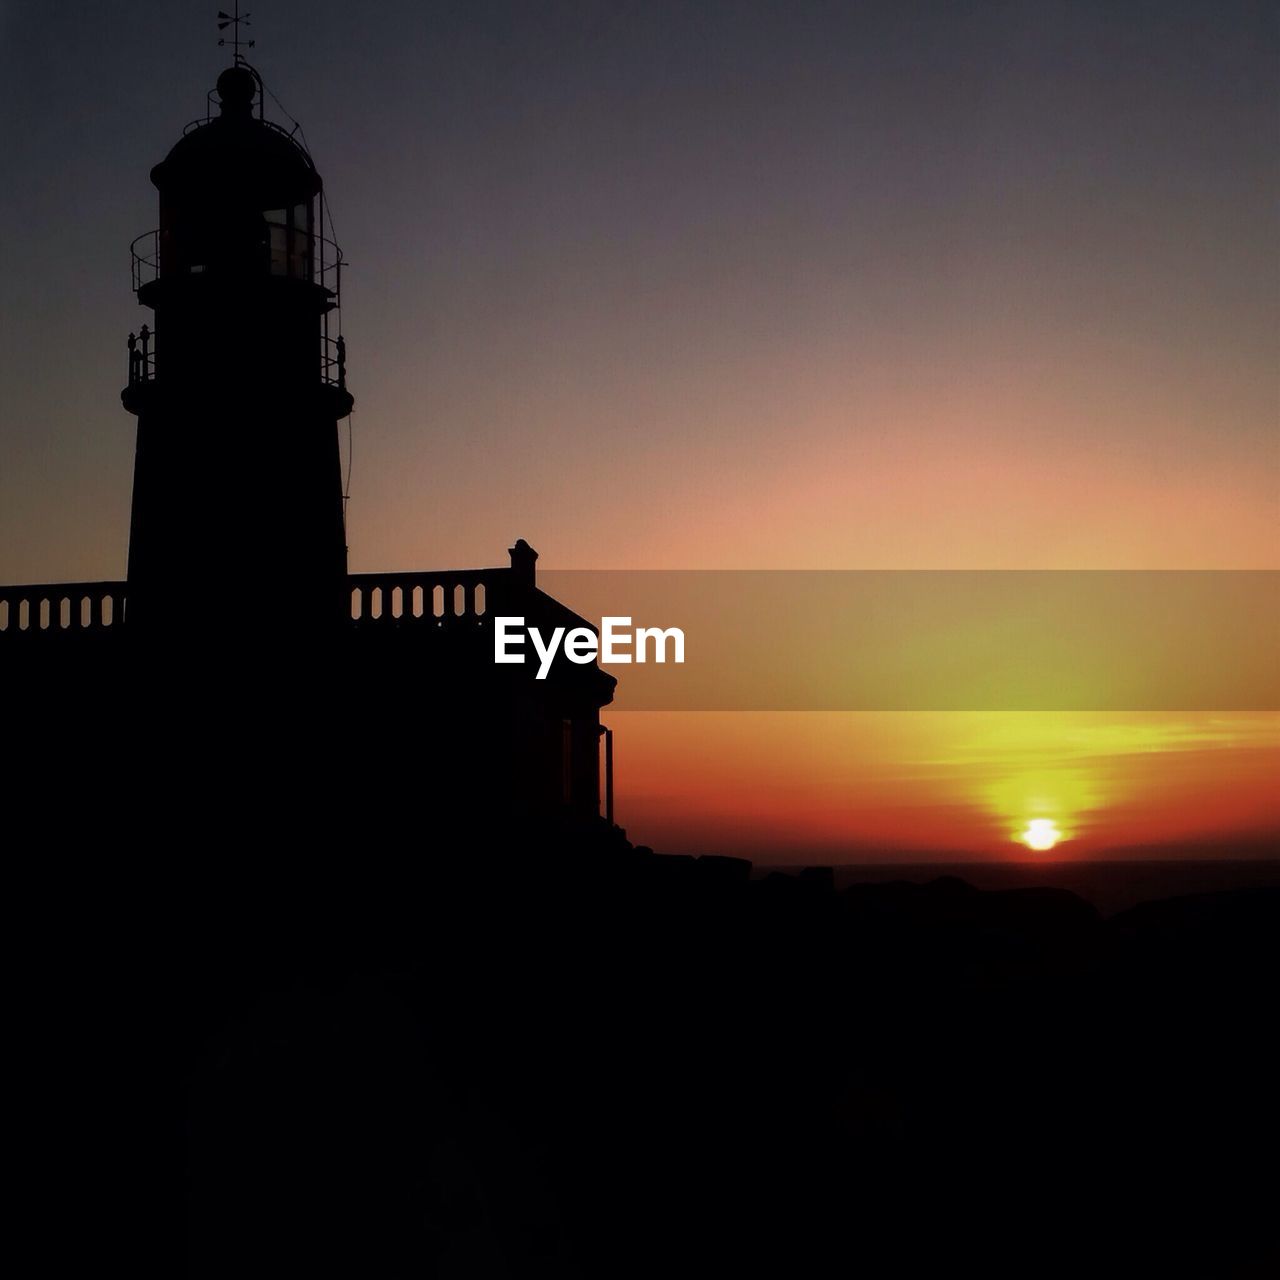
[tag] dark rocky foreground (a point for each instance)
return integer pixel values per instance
(590, 1061)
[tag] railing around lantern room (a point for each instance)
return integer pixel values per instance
(144, 258)
(319, 261)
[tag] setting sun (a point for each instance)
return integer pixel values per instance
(1041, 834)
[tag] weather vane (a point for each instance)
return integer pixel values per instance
(234, 21)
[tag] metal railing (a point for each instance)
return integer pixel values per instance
(209, 117)
(142, 356)
(144, 255)
(333, 361)
(142, 359)
(326, 264)
(323, 258)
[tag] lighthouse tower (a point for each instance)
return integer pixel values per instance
(238, 381)
(239, 621)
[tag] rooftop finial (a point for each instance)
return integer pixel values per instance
(234, 21)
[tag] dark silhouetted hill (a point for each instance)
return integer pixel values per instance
(603, 1062)
(408, 1047)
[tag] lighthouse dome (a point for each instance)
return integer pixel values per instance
(238, 195)
(235, 154)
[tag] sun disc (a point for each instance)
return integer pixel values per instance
(1041, 834)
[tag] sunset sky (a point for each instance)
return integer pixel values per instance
(733, 286)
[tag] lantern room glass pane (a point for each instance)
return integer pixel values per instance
(290, 241)
(279, 250)
(300, 255)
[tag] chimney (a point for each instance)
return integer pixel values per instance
(523, 557)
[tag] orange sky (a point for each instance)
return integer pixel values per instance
(868, 786)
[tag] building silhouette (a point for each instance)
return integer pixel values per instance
(238, 608)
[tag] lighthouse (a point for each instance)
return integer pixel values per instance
(238, 381)
(239, 620)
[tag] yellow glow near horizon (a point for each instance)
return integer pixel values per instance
(1041, 834)
(843, 787)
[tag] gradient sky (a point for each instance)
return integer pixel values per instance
(715, 285)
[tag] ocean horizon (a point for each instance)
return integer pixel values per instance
(1111, 886)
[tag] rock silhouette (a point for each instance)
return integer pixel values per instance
(612, 1063)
